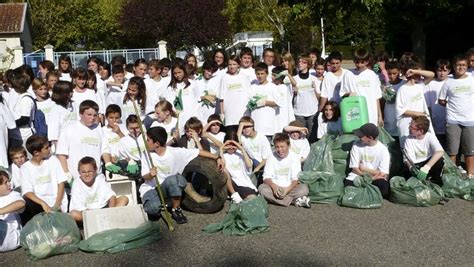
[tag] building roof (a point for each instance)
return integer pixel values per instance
(12, 17)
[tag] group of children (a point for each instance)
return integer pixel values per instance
(256, 120)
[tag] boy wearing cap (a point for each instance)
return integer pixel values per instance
(369, 156)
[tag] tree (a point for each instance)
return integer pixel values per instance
(78, 24)
(183, 24)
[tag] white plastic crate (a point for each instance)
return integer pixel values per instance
(125, 188)
(128, 217)
(114, 177)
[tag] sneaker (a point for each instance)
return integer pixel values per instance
(303, 202)
(178, 216)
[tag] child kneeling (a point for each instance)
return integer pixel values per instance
(92, 191)
(280, 176)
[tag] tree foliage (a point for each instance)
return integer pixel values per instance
(183, 24)
(76, 24)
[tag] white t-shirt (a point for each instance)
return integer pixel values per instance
(132, 148)
(78, 141)
(300, 147)
(258, 148)
(367, 84)
(282, 171)
(12, 219)
(420, 150)
(47, 107)
(331, 86)
(306, 101)
(154, 90)
(219, 136)
(97, 196)
(88, 94)
(328, 126)
(265, 117)
(114, 95)
(129, 109)
(235, 92)
(16, 175)
(190, 97)
(113, 139)
(43, 180)
(60, 118)
(24, 107)
(235, 165)
(390, 113)
(284, 112)
(170, 127)
(7, 121)
(172, 162)
(460, 96)
(210, 86)
(438, 112)
(374, 157)
(409, 97)
(65, 77)
(250, 73)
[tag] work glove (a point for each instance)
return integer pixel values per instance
(423, 173)
(112, 167)
(69, 177)
(132, 167)
(236, 198)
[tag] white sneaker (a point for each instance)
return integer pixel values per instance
(236, 198)
(303, 201)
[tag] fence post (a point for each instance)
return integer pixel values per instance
(17, 57)
(162, 49)
(49, 53)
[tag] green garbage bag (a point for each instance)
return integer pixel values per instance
(320, 157)
(364, 195)
(48, 234)
(341, 147)
(247, 217)
(456, 187)
(414, 192)
(396, 156)
(118, 240)
(324, 187)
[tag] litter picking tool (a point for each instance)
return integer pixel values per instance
(166, 214)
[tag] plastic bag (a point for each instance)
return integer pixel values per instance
(341, 147)
(118, 240)
(323, 187)
(247, 217)
(415, 192)
(455, 187)
(320, 157)
(362, 196)
(48, 234)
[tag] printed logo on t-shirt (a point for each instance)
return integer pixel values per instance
(163, 169)
(92, 141)
(462, 89)
(367, 158)
(420, 154)
(46, 110)
(282, 171)
(114, 140)
(71, 116)
(305, 87)
(234, 86)
(136, 151)
(416, 98)
(235, 166)
(43, 179)
(363, 83)
(295, 149)
(92, 199)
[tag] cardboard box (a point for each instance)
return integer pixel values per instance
(126, 188)
(96, 221)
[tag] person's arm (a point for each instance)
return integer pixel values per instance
(12, 207)
(270, 103)
(207, 154)
(222, 115)
(436, 156)
(60, 196)
(292, 185)
(379, 112)
(63, 160)
(260, 165)
(411, 113)
(37, 200)
(112, 201)
(289, 129)
(292, 80)
(212, 139)
(424, 73)
(322, 103)
(272, 185)
(151, 175)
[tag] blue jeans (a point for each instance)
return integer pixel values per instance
(172, 186)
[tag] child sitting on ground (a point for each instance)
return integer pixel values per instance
(369, 156)
(11, 203)
(91, 191)
(238, 168)
(298, 142)
(254, 143)
(18, 157)
(280, 177)
(424, 150)
(168, 164)
(212, 132)
(42, 180)
(330, 120)
(192, 138)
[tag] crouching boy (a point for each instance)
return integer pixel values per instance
(168, 164)
(11, 203)
(280, 176)
(91, 191)
(369, 156)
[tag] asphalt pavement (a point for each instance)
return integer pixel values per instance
(320, 236)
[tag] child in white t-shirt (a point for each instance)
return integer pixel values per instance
(424, 150)
(18, 157)
(265, 113)
(82, 93)
(7, 122)
(284, 112)
(369, 156)
(63, 112)
(113, 131)
(43, 99)
(298, 142)
(330, 120)
(432, 91)
(115, 86)
(167, 165)
(280, 178)
(132, 148)
(362, 81)
(23, 109)
(238, 169)
(255, 144)
(11, 203)
(157, 84)
(42, 180)
(166, 117)
(135, 93)
(212, 132)
(208, 86)
(331, 84)
(92, 191)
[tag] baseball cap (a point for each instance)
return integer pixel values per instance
(368, 129)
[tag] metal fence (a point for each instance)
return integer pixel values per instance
(79, 58)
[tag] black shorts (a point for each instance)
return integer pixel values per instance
(243, 191)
